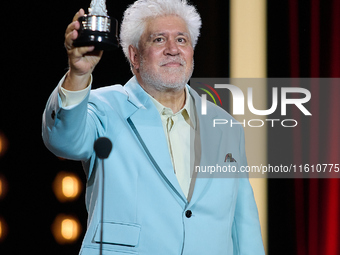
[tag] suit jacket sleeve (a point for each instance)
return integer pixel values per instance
(70, 132)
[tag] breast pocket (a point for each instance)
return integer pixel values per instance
(118, 234)
(118, 238)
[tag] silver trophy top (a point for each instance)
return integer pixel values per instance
(98, 7)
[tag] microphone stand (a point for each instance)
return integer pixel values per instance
(102, 212)
(102, 147)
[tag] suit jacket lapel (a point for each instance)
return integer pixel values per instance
(209, 142)
(146, 123)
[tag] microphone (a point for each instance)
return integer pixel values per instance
(102, 146)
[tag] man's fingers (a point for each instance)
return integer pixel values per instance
(80, 13)
(69, 38)
(71, 34)
(77, 53)
(71, 27)
(74, 25)
(81, 51)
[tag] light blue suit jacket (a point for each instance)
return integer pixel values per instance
(145, 208)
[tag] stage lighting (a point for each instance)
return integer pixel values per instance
(3, 229)
(66, 229)
(3, 144)
(67, 187)
(3, 187)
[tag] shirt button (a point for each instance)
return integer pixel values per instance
(188, 214)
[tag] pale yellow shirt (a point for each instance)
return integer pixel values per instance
(177, 128)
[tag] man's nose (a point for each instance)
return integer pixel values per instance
(171, 48)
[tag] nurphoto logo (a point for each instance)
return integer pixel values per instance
(280, 97)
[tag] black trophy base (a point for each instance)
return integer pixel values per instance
(100, 40)
(98, 31)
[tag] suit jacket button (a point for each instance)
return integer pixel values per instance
(188, 214)
(53, 115)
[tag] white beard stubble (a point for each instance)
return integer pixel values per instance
(171, 78)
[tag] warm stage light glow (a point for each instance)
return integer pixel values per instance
(3, 144)
(66, 229)
(3, 187)
(67, 186)
(3, 229)
(69, 229)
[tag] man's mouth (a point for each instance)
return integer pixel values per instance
(172, 64)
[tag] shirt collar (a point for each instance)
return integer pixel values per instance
(187, 111)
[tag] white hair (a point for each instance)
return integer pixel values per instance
(137, 15)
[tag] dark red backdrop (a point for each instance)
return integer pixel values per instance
(317, 200)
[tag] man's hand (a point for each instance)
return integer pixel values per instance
(82, 60)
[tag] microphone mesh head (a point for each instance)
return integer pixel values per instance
(102, 147)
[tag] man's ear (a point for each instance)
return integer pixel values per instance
(134, 57)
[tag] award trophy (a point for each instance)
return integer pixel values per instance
(97, 28)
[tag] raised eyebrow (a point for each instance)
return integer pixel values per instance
(184, 33)
(155, 35)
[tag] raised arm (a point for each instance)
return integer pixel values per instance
(68, 131)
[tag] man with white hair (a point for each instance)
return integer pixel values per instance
(153, 204)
